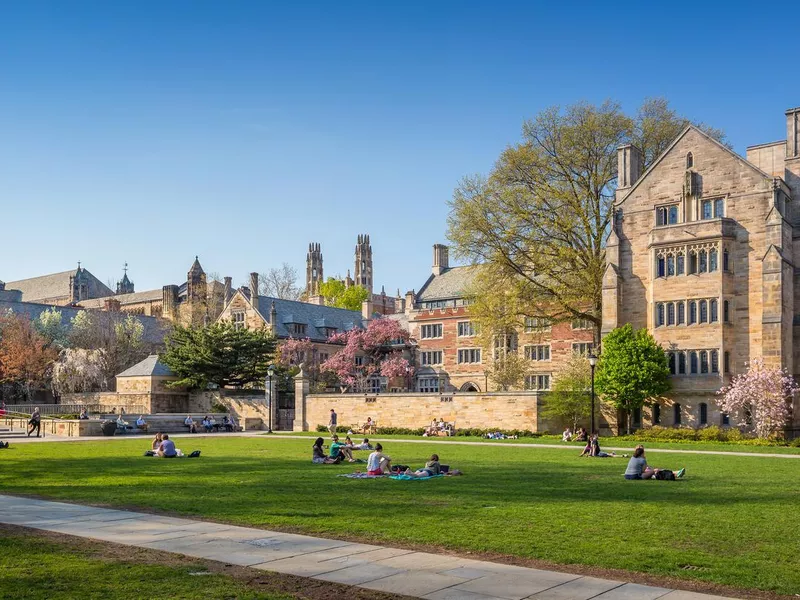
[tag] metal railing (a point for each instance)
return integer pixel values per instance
(74, 409)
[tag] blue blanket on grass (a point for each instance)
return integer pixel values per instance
(404, 477)
(360, 476)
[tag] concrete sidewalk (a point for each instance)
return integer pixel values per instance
(418, 574)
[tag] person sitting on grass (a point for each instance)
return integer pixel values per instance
(596, 452)
(167, 448)
(567, 435)
(189, 422)
(365, 445)
(378, 463)
(587, 449)
(349, 443)
(157, 441)
(431, 468)
(318, 454)
(639, 469)
(340, 450)
(580, 435)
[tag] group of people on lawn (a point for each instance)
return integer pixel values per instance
(378, 463)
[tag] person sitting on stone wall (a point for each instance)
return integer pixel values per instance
(189, 422)
(226, 423)
(84, 415)
(141, 423)
(207, 425)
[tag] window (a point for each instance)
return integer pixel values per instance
(692, 262)
(431, 331)
(679, 263)
(430, 357)
(581, 324)
(712, 305)
(659, 314)
(703, 261)
(540, 352)
(672, 217)
(726, 317)
(689, 160)
(703, 361)
(467, 329)
(359, 361)
(671, 360)
(726, 419)
(583, 348)
(707, 210)
(661, 267)
(322, 357)
(693, 362)
(238, 320)
(725, 261)
(428, 384)
(667, 215)
(677, 413)
(692, 312)
(726, 362)
(661, 216)
(719, 208)
(703, 311)
(712, 260)
(670, 265)
(656, 414)
(438, 304)
(715, 361)
(469, 356)
(681, 363)
(533, 324)
(537, 382)
(298, 328)
(681, 313)
(703, 413)
(505, 343)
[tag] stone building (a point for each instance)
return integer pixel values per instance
(382, 304)
(702, 254)
(449, 356)
(61, 289)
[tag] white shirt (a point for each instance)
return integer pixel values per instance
(188, 421)
(374, 461)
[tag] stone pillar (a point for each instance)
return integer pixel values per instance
(301, 391)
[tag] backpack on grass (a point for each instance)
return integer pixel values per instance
(665, 474)
(150, 453)
(195, 454)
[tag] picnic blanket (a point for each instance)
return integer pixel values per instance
(403, 477)
(360, 476)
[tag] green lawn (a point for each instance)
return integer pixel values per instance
(35, 569)
(733, 517)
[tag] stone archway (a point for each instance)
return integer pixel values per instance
(470, 387)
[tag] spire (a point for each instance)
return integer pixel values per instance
(196, 268)
(125, 285)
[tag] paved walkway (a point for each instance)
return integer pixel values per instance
(418, 574)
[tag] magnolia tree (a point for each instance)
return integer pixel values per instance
(761, 395)
(79, 370)
(367, 353)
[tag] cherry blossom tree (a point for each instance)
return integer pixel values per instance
(80, 370)
(759, 397)
(293, 352)
(367, 353)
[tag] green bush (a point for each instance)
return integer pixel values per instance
(218, 407)
(475, 432)
(705, 434)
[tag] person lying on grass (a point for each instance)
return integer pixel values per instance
(318, 454)
(639, 469)
(378, 463)
(340, 450)
(430, 469)
(365, 445)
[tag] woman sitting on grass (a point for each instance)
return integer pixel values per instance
(431, 468)
(378, 463)
(157, 441)
(318, 454)
(639, 469)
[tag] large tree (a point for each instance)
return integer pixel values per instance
(633, 370)
(337, 294)
(538, 222)
(280, 283)
(219, 354)
(26, 358)
(570, 398)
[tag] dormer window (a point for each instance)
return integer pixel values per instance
(298, 328)
(689, 160)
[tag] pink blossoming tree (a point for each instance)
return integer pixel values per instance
(367, 353)
(762, 394)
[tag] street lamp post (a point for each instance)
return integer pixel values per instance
(270, 373)
(592, 363)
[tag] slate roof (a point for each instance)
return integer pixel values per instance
(154, 329)
(452, 283)
(150, 366)
(313, 316)
(124, 299)
(54, 285)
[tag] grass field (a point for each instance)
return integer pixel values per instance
(731, 521)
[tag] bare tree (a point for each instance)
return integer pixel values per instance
(280, 283)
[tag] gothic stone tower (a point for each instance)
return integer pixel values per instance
(313, 269)
(125, 286)
(196, 295)
(363, 257)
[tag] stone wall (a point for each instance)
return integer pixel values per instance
(250, 410)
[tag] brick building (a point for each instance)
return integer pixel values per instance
(449, 356)
(702, 253)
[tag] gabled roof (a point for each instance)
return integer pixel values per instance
(55, 285)
(451, 284)
(133, 298)
(680, 136)
(149, 367)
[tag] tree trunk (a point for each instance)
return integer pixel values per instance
(628, 419)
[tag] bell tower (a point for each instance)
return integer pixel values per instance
(363, 260)
(314, 276)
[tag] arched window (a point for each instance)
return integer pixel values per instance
(703, 413)
(656, 414)
(712, 260)
(715, 361)
(671, 359)
(659, 314)
(692, 312)
(703, 311)
(671, 313)
(677, 413)
(692, 262)
(712, 305)
(681, 363)
(702, 261)
(681, 313)
(689, 161)
(693, 362)
(703, 361)
(661, 267)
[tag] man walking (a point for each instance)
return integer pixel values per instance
(332, 422)
(35, 422)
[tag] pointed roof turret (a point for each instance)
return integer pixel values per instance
(196, 268)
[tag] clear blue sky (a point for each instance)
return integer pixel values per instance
(152, 131)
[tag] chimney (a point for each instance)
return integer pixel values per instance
(366, 310)
(793, 133)
(273, 319)
(408, 303)
(441, 259)
(227, 290)
(629, 166)
(254, 290)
